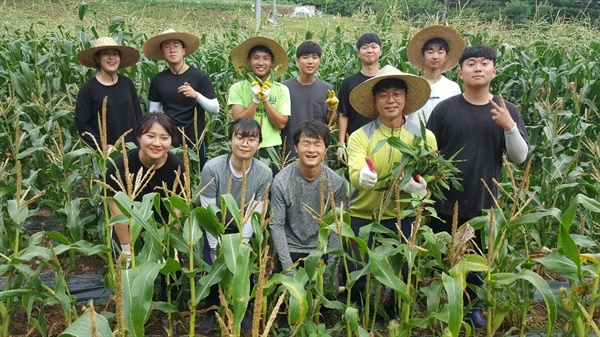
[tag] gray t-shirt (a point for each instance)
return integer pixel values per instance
(293, 228)
(308, 103)
(258, 177)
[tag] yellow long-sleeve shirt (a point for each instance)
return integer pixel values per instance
(362, 143)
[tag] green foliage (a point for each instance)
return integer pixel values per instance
(552, 202)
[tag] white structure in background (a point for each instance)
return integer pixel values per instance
(304, 11)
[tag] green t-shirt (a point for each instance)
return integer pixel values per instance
(241, 94)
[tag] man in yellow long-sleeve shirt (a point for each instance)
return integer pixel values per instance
(388, 97)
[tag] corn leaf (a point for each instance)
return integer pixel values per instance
(82, 327)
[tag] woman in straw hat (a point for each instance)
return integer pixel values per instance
(271, 110)
(122, 105)
(434, 50)
(388, 98)
(181, 90)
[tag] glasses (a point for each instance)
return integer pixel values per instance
(248, 140)
(398, 95)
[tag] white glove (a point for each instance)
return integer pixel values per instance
(341, 154)
(413, 187)
(255, 90)
(266, 90)
(367, 178)
(126, 250)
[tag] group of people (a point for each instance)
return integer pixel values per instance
(374, 104)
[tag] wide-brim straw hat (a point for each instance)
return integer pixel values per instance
(152, 47)
(239, 54)
(129, 55)
(455, 41)
(417, 94)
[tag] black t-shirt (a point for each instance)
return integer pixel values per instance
(122, 109)
(461, 126)
(163, 89)
(166, 173)
(355, 119)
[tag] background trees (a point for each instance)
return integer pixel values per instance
(514, 10)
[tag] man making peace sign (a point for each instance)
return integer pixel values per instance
(481, 126)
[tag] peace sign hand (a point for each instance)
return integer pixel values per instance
(500, 114)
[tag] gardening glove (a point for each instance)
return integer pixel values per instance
(265, 92)
(332, 101)
(341, 154)
(255, 88)
(126, 250)
(367, 178)
(419, 188)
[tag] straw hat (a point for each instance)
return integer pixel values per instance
(450, 35)
(151, 48)
(417, 94)
(129, 55)
(239, 55)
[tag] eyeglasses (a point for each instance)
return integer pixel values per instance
(248, 140)
(384, 97)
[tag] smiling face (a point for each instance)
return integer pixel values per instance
(308, 63)
(155, 144)
(173, 51)
(109, 60)
(369, 53)
(477, 72)
(389, 104)
(260, 63)
(311, 151)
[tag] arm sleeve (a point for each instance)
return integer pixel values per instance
(516, 146)
(209, 105)
(155, 106)
(278, 214)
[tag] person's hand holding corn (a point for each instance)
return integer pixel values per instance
(332, 101)
(261, 92)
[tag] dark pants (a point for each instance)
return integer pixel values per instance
(445, 225)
